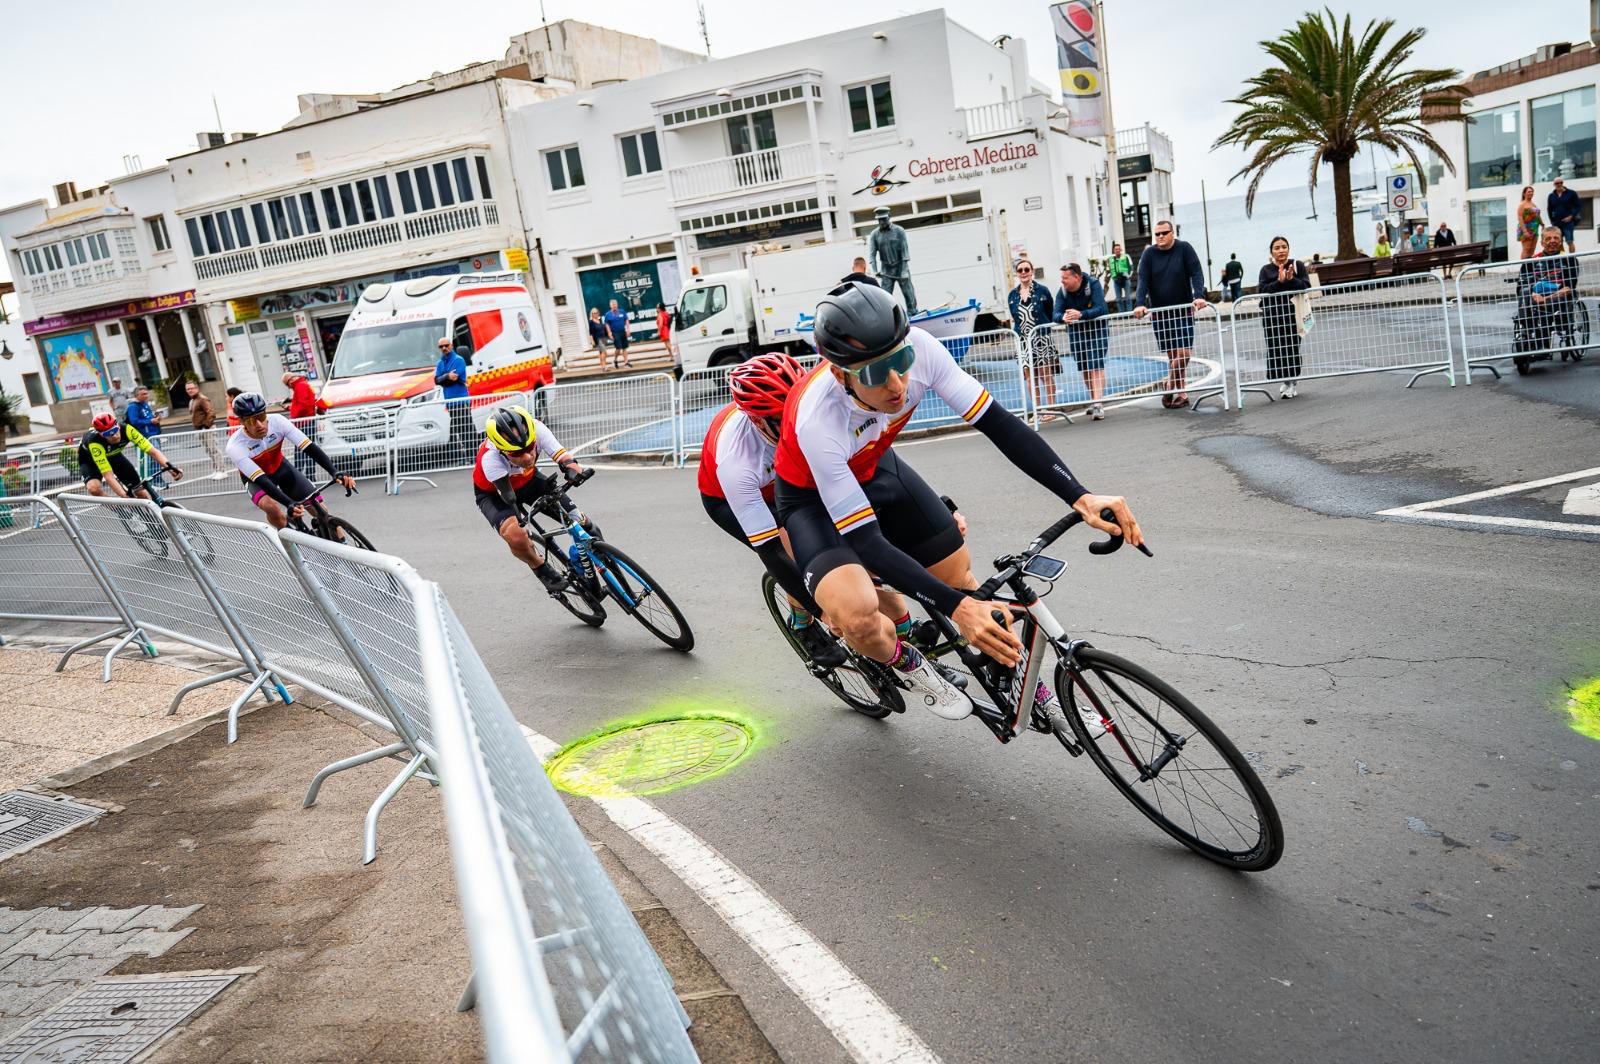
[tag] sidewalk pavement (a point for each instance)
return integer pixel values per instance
(205, 861)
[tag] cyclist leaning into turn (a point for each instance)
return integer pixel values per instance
(101, 462)
(506, 478)
(275, 485)
(851, 507)
(736, 485)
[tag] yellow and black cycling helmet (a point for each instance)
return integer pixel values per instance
(511, 428)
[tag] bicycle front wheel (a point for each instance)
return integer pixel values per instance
(640, 596)
(352, 535)
(1169, 760)
(860, 683)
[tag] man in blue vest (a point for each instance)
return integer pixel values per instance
(450, 374)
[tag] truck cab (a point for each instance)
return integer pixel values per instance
(713, 324)
(386, 357)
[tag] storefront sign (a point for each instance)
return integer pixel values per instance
(983, 159)
(244, 309)
(73, 361)
(1133, 165)
(1033, 203)
(111, 312)
(516, 259)
(636, 286)
(341, 292)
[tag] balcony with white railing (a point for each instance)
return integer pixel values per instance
(351, 247)
(1146, 140)
(1002, 119)
(92, 284)
(736, 175)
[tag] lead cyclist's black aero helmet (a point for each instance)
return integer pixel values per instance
(857, 323)
(248, 404)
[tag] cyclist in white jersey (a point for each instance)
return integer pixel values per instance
(274, 484)
(852, 509)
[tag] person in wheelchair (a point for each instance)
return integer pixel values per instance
(1547, 296)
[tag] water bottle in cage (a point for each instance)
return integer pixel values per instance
(580, 562)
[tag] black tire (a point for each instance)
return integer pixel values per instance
(641, 597)
(574, 600)
(197, 536)
(1522, 362)
(1578, 336)
(352, 535)
(146, 530)
(861, 683)
(1208, 770)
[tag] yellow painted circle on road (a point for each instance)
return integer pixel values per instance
(650, 757)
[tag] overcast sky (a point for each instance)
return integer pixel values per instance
(92, 81)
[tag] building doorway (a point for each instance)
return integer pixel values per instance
(141, 348)
(329, 329)
(749, 134)
(176, 352)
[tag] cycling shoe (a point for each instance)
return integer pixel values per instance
(928, 679)
(820, 645)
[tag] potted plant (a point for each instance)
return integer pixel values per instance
(13, 416)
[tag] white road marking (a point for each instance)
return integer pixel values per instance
(863, 1022)
(1589, 496)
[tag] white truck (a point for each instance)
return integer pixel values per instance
(725, 318)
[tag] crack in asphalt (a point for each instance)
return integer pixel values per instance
(1324, 665)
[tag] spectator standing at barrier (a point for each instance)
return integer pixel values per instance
(1081, 307)
(1172, 285)
(1121, 267)
(303, 406)
(119, 399)
(1445, 237)
(203, 417)
(1528, 223)
(1280, 281)
(233, 419)
(1232, 278)
(858, 272)
(1564, 209)
(663, 324)
(450, 374)
(141, 415)
(617, 330)
(1030, 306)
(598, 334)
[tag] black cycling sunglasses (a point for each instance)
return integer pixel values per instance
(876, 373)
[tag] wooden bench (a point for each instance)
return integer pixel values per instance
(1368, 268)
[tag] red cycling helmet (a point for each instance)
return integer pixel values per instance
(761, 386)
(105, 422)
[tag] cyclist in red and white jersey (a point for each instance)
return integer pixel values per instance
(736, 486)
(506, 477)
(274, 484)
(853, 509)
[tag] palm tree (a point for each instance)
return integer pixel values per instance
(1329, 93)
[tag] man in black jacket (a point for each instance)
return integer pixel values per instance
(858, 272)
(1171, 282)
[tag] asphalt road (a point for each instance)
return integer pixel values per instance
(1401, 682)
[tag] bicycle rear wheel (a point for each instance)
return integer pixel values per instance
(575, 600)
(860, 683)
(146, 530)
(1203, 792)
(640, 596)
(352, 535)
(197, 537)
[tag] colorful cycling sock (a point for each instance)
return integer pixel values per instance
(798, 619)
(905, 657)
(902, 625)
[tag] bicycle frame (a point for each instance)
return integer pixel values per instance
(581, 537)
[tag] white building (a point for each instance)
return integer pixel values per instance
(105, 293)
(626, 187)
(287, 228)
(1532, 120)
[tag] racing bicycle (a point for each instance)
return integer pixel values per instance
(594, 570)
(1161, 752)
(147, 530)
(325, 525)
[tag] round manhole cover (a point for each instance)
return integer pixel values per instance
(651, 757)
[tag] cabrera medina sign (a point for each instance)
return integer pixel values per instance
(983, 159)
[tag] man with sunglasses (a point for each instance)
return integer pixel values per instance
(736, 486)
(506, 478)
(275, 486)
(102, 464)
(1171, 288)
(853, 509)
(450, 374)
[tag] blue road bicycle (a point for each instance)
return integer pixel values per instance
(596, 570)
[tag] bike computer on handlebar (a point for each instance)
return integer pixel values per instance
(1044, 568)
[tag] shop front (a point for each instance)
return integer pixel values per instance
(638, 288)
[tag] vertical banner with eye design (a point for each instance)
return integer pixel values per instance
(1077, 29)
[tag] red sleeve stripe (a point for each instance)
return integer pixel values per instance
(845, 523)
(972, 411)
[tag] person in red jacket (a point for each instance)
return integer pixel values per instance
(303, 401)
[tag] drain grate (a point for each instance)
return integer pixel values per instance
(112, 1020)
(650, 757)
(27, 819)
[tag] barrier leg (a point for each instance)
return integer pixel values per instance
(85, 644)
(204, 681)
(1449, 371)
(144, 645)
(469, 995)
(370, 846)
(1485, 365)
(351, 762)
(238, 703)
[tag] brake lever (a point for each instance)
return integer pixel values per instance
(1113, 543)
(572, 482)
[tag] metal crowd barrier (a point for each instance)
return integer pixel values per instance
(994, 358)
(1378, 326)
(562, 971)
(1498, 320)
(632, 414)
(1129, 353)
(437, 435)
